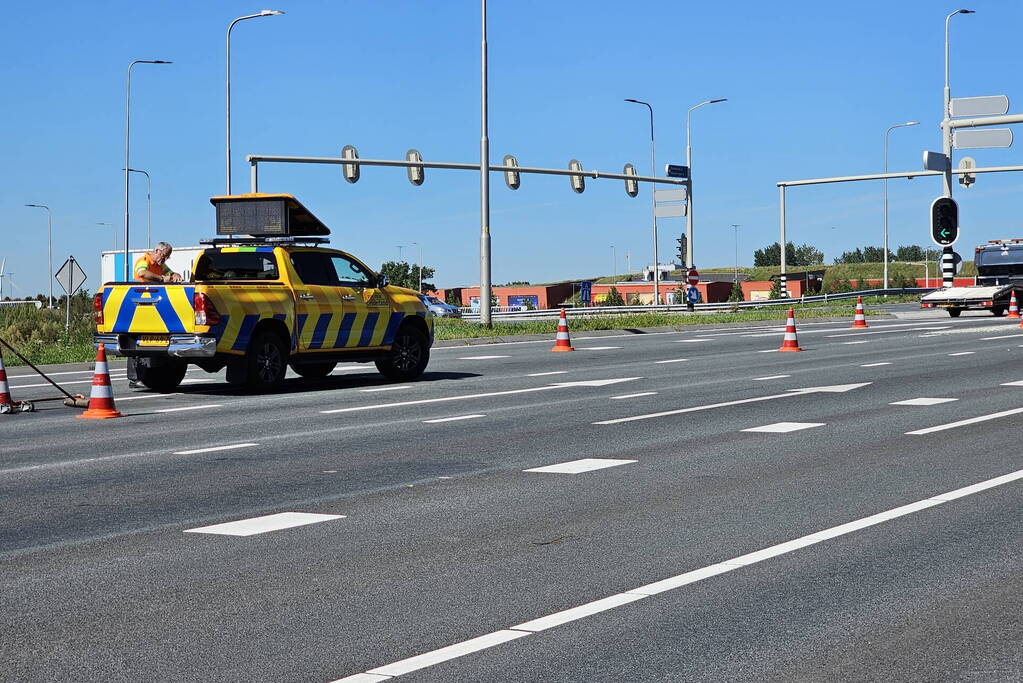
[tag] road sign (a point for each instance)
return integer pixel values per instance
(935, 161)
(692, 294)
(670, 210)
(675, 171)
(584, 291)
(944, 221)
(989, 105)
(988, 138)
(670, 195)
(967, 179)
(693, 276)
(70, 276)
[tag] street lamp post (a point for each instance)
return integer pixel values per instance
(400, 247)
(946, 130)
(114, 233)
(653, 201)
(418, 244)
(885, 183)
(735, 226)
(263, 13)
(614, 265)
(149, 206)
(49, 247)
(689, 163)
(127, 163)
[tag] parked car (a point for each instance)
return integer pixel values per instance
(441, 309)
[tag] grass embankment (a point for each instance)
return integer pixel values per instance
(38, 334)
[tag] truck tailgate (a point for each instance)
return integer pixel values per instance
(148, 308)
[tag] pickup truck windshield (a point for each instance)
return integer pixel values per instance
(217, 265)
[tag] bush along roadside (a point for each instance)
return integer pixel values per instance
(39, 335)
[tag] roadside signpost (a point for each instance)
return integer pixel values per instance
(71, 278)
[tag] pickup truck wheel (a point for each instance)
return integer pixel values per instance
(266, 361)
(313, 370)
(954, 312)
(998, 311)
(163, 378)
(408, 356)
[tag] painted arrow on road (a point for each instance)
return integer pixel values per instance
(834, 389)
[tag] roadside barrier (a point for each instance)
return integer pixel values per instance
(101, 400)
(859, 320)
(562, 342)
(1013, 307)
(790, 342)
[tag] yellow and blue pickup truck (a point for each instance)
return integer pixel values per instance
(264, 296)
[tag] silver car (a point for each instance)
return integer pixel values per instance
(441, 309)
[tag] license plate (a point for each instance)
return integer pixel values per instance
(153, 340)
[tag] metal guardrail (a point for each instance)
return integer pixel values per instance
(23, 302)
(514, 313)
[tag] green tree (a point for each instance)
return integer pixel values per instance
(452, 297)
(910, 253)
(613, 298)
(736, 293)
(402, 274)
(775, 289)
(803, 255)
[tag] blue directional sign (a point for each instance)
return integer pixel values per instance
(584, 291)
(692, 295)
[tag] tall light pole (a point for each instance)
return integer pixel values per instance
(689, 163)
(418, 244)
(653, 202)
(49, 247)
(484, 176)
(885, 183)
(735, 226)
(149, 205)
(263, 13)
(114, 233)
(614, 265)
(127, 163)
(946, 131)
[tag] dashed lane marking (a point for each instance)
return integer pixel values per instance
(211, 449)
(1004, 336)
(261, 525)
(963, 353)
(77, 381)
(691, 341)
(578, 466)
(1013, 384)
(136, 398)
(481, 357)
(856, 342)
(963, 423)
(874, 365)
(177, 410)
(673, 360)
(764, 379)
(784, 427)
(643, 393)
(390, 388)
(923, 401)
(453, 419)
(597, 348)
(544, 374)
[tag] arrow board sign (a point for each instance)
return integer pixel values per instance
(670, 210)
(70, 276)
(991, 105)
(982, 139)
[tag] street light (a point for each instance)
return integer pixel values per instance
(49, 246)
(946, 132)
(149, 203)
(417, 244)
(653, 201)
(114, 232)
(689, 163)
(127, 163)
(736, 227)
(400, 247)
(614, 265)
(262, 13)
(885, 183)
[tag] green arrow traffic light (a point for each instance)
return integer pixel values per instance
(944, 221)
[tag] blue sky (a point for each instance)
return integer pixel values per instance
(812, 87)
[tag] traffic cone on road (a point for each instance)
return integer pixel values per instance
(7, 404)
(101, 400)
(859, 320)
(562, 342)
(1013, 307)
(790, 343)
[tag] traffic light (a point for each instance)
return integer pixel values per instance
(682, 249)
(944, 221)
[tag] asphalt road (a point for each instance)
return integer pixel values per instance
(740, 514)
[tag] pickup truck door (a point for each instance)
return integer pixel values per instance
(368, 321)
(318, 308)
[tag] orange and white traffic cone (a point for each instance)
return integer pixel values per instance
(790, 343)
(562, 342)
(7, 404)
(859, 320)
(101, 400)
(1013, 307)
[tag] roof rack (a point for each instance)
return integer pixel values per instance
(289, 240)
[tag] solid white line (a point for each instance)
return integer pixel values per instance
(175, 410)
(216, 448)
(47, 384)
(136, 398)
(874, 365)
(261, 525)
(762, 379)
(690, 341)
(644, 393)
(597, 348)
(580, 466)
(674, 360)
(54, 374)
(697, 408)
(402, 386)
(863, 334)
(1004, 336)
(970, 421)
(544, 374)
(482, 357)
(423, 401)
(619, 599)
(963, 353)
(453, 419)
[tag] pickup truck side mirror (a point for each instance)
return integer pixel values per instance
(381, 281)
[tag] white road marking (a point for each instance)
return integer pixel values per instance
(768, 351)
(923, 401)
(597, 606)
(578, 466)
(482, 357)
(261, 525)
(690, 341)
(856, 342)
(644, 393)
(674, 360)
(390, 388)
(863, 334)
(597, 348)
(838, 388)
(764, 379)
(544, 374)
(784, 427)
(970, 421)
(136, 398)
(453, 419)
(216, 448)
(963, 353)
(844, 331)
(47, 384)
(54, 374)
(1004, 336)
(175, 410)
(1013, 384)
(874, 365)
(200, 380)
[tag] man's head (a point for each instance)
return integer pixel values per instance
(162, 252)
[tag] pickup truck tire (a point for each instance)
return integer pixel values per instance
(408, 356)
(954, 312)
(266, 361)
(998, 311)
(163, 378)
(314, 370)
